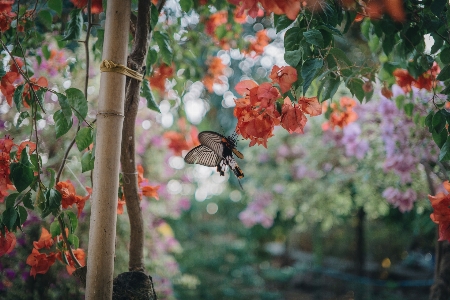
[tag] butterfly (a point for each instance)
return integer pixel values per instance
(216, 150)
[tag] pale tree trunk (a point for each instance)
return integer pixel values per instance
(102, 233)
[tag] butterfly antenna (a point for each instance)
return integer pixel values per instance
(240, 184)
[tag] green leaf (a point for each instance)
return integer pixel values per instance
(17, 96)
(438, 122)
(78, 102)
(444, 155)
(314, 37)
(445, 55)
(340, 56)
(73, 240)
(408, 108)
(429, 121)
(329, 88)
(65, 107)
(355, 85)
(281, 22)
(426, 62)
(152, 56)
(27, 201)
(22, 174)
(9, 218)
(54, 198)
(84, 138)
(52, 177)
(46, 18)
(309, 71)
(445, 74)
(292, 39)
(11, 199)
(437, 7)
(100, 38)
(23, 214)
(186, 5)
(399, 101)
(73, 221)
(154, 15)
(56, 5)
(162, 39)
(147, 94)
(55, 229)
(87, 162)
(440, 137)
(73, 31)
(22, 116)
(293, 57)
(61, 125)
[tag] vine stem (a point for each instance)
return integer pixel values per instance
(64, 236)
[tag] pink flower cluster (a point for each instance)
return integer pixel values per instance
(404, 201)
(354, 145)
(255, 213)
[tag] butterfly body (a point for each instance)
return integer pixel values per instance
(217, 151)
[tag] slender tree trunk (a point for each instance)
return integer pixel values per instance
(360, 243)
(102, 231)
(440, 290)
(130, 184)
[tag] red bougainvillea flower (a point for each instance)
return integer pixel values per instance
(96, 7)
(428, 79)
(284, 76)
(36, 84)
(215, 70)
(214, 21)
(40, 262)
(6, 145)
(120, 205)
(150, 191)
(7, 86)
(45, 241)
(7, 242)
(23, 145)
(341, 116)
(386, 92)
(260, 41)
(177, 142)
(6, 16)
(79, 255)
(441, 213)
(310, 106)
(404, 79)
(158, 78)
(69, 197)
(292, 117)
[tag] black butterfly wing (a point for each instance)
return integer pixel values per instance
(213, 141)
(202, 155)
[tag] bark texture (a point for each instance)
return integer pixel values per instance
(130, 184)
(102, 231)
(440, 290)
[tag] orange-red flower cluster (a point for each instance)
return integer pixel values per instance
(261, 40)
(6, 145)
(425, 81)
(7, 86)
(374, 9)
(41, 262)
(96, 6)
(257, 113)
(215, 20)
(67, 191)
(289, 8)
(215, 70)
(6, 16)
(79, 255)
(158, 78)
(183, 140)
(441, 213)
(145, 189)
(7, 242)
(341, 116)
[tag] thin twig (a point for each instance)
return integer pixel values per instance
(66, 241)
